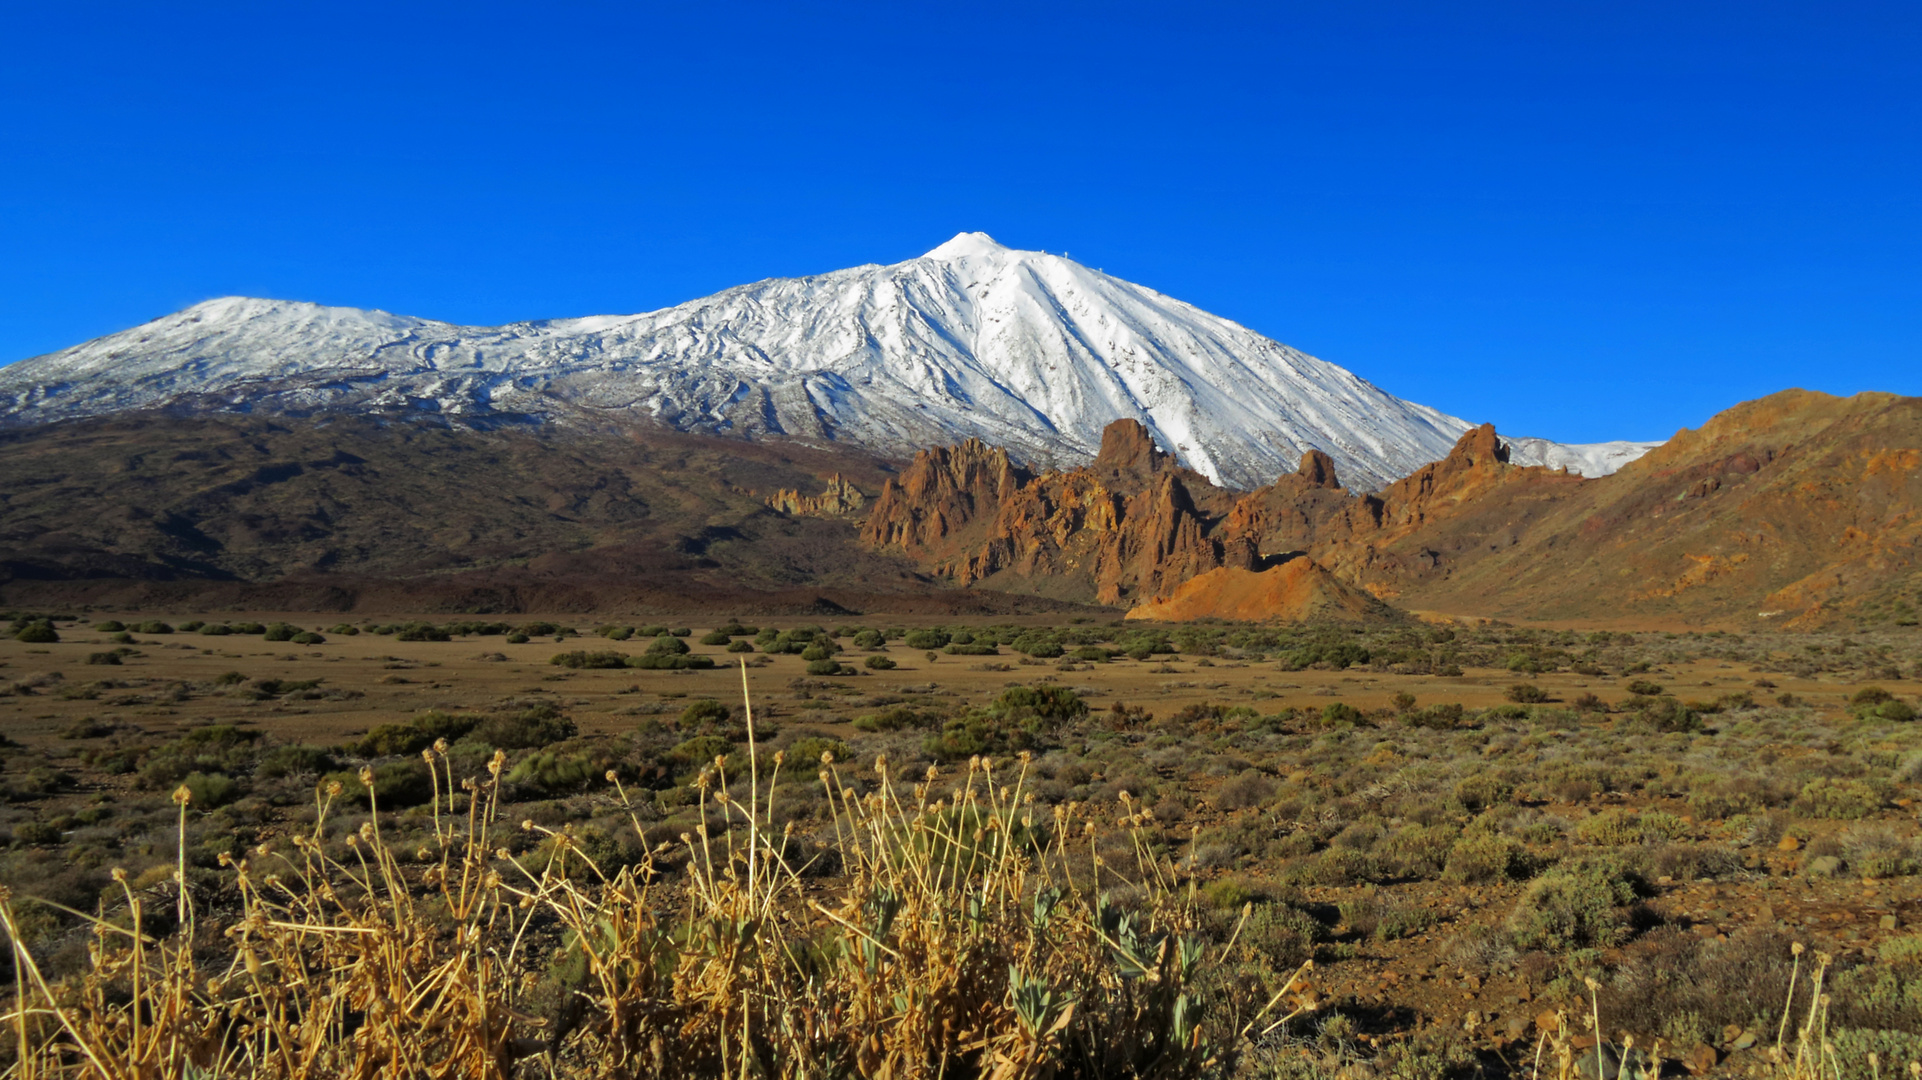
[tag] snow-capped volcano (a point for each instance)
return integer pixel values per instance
(1022, 349)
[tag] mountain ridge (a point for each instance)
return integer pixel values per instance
(1025, 350)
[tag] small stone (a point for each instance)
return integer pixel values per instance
(1517, 1028)
(1548, 1021)
(1743, 1041)
(1731, 1033)
(1823, 866)
(1890, 922)
(1701, 1059)
(1789, 843)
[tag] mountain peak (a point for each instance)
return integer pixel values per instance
(965, 244)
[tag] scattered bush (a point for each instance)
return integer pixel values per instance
(1845, 800)
(1577, 905)
(415, 735)
(596, 660)
(526, 729)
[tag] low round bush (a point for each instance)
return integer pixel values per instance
(827, 666)
(926, 639)
(715, 637)
(667, 645)
(878, 662)
(37, 633)
(740, 645)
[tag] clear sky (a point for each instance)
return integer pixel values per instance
(1579, 220)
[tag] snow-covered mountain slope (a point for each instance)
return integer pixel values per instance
(1022, 349)
(1582, 459)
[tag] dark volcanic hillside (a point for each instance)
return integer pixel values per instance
(333, 514)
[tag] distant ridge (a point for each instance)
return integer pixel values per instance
(1021, 349)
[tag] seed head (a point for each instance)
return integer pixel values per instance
(183, 795)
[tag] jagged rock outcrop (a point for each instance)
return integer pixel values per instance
(1797, 507)
(1131, 521)
(839, 499)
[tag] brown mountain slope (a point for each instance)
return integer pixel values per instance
(1799, 506)
(311, 515)
(1298, 590)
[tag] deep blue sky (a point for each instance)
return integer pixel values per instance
(1582, 221)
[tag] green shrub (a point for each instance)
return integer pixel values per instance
(740, 645)
(216, 630)
(700, 750)
(667, 645)
(209, 790)
(1335, 655)
(415, 735)
(294, 760)
(551, 772)
(806, 752)
(895, 718)
(704, 714)
(309, 638)
(344, 630)
(1644, 688)
(1341, 714)
(153, 626)
(1481, 791)
(1668, 715)
(111, 626)
(1381, 917)
(422, 631)
(1279, 937)
(1613, 827)
(878, 662)
(583, 659)
(281, 631)
(1844, 800)
(112, 658)
(35, 833)
(37, 633)
(926, 639)
(1575, 906)
(1442, 717)
(715, 637)
(654, 661)
(396, 784)
(1480, 857)
(826, 666)
(972, 648)
(1869, 697)
(1527, 694)
(517, 639)
(527, 729)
